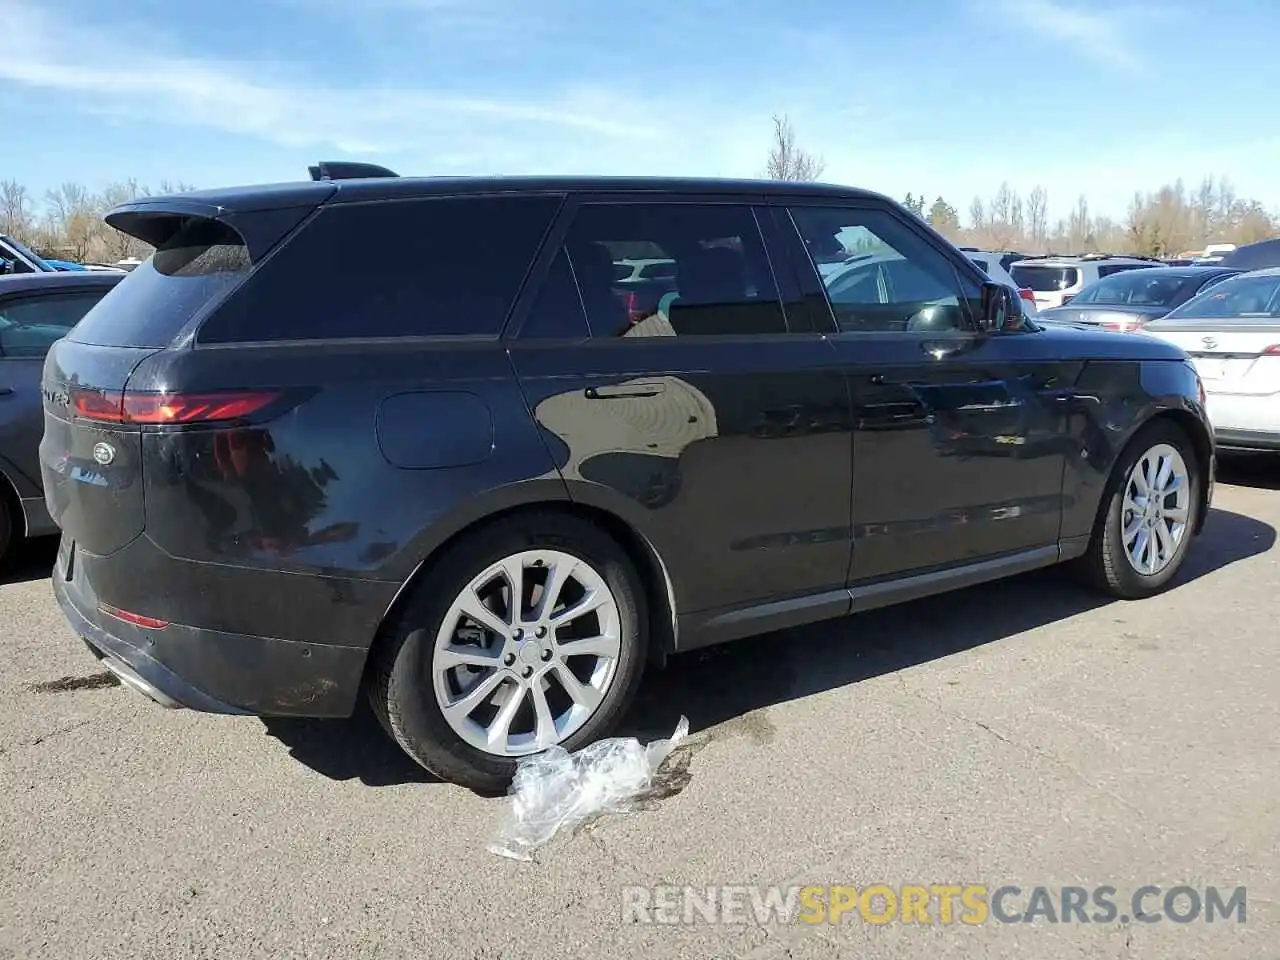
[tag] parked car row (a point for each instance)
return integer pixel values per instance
(1226, 319)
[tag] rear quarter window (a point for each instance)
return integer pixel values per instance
(429, 267)
(148, 308)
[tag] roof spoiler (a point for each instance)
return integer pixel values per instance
(348, 170)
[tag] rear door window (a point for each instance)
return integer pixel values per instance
(203, 261)
(718, 278)
(447, 266)
(31, 325)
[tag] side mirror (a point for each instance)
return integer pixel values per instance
(997, 306)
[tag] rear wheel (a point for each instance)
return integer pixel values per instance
(526, 635)
(1149, 517)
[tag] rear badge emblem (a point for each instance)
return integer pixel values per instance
(103, 453)
(1209, 342)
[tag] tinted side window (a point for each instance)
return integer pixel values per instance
(1119, 268)
(722, 282)
(29, 327)
(557, 310)
(409, 268)
(881, 276)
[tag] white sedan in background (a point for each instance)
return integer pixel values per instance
(1232, 332)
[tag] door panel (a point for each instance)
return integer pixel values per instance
(730, 452)
(959, 450)
(959, 435)
(21, 416)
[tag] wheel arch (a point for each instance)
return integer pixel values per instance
(659, 593)
(1201, 442)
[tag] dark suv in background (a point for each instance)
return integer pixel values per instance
(467, 478)
(36, 309)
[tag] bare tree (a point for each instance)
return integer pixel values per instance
(1038, 218)
(118, 245)
(16, 215)
(74, 215)
(788, 161)
(978, 217)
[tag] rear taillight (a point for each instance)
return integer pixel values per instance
(632, 304)
(1272, 351)
(169, 408)
(1027, 294)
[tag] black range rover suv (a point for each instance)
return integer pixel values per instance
(408, 439)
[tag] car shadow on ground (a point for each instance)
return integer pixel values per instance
(730, 683)
(32, 560)
(1261, 471)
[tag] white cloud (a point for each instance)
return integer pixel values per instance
(120, 75)
(1103, 37)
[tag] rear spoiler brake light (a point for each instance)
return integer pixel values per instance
(348, 170)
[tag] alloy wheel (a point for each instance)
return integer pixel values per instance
(1156, 509)
(526, 652)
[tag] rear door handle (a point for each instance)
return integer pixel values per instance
(626, 390)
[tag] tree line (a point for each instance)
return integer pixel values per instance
(1162, 223)
(67, 223)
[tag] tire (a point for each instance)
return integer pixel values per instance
(408, 684)
(1108, 565)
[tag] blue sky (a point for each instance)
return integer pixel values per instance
(937, 96)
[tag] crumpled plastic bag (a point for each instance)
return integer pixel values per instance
(556, 790)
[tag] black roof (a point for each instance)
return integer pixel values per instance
(272, 196)
(1254, 256)
(69, 280)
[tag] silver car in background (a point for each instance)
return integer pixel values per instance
(1127, 301)
(1055, 280)
(1232, 332)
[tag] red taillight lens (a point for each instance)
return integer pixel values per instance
(1272, 351)
(137, 619)
(1026, 293)
(169, 408)
(632, 304)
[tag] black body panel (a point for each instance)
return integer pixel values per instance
(773, 479)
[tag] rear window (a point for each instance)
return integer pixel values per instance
(149, 307)
(432, 267)
(1045, 279)
(1245, 298)
(1136, 288)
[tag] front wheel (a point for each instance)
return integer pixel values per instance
(526, 635)
(1142, 538)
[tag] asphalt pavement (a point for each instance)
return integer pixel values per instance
(1022, 733)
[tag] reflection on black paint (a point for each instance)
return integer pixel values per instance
(256, 500)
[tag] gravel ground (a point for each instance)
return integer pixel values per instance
(1022, 733)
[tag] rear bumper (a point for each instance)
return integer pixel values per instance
(209, 670)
